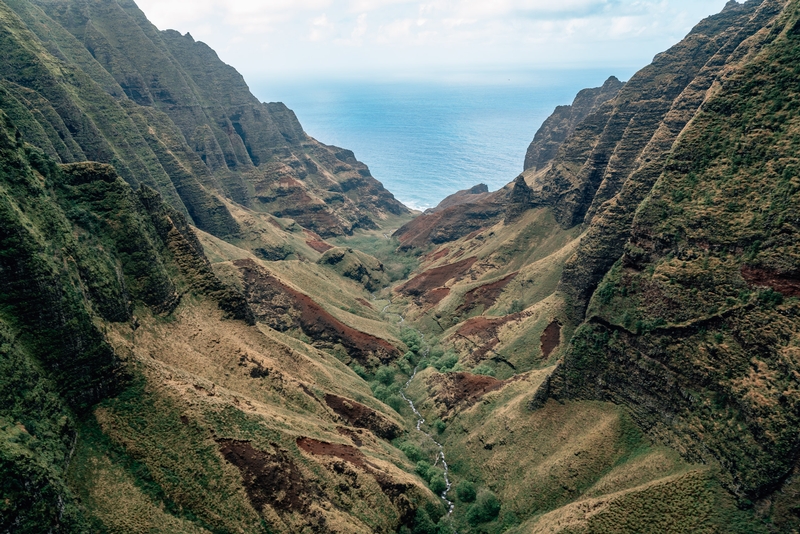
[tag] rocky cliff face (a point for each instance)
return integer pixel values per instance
(95, 80)
(137, 388)
(562, 123)
(683, 282)
(695, 328)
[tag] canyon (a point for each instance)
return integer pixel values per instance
(212, 322)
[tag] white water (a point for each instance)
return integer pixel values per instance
(440, 456)
(421, 420)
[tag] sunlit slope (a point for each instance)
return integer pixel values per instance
(569, 467)
(142, 391)
(696, 326)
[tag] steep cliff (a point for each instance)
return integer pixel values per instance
(653, 267)
(695, 328)
(562, 123)
(95, 80)
(138, 389)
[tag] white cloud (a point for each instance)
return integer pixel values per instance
(343, 35)
(321, 27)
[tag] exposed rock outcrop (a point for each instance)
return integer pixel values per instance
(562, 123)
(167, 113)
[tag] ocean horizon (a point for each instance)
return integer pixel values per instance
(425, 140)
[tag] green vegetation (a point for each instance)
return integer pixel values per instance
(138, 394)
(486, 508)
(465, 491)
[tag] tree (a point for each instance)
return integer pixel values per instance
(485, 509)
(465, 491)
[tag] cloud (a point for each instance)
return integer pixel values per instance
(346, 35)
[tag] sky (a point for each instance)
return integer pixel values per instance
(352, 39)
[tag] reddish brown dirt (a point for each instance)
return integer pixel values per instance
(360, 416)
(396, 491)
(485, 295)
(786, 284)
(551, 339)
(485, 327)
(271, 479)
(314, 241)
(450, 224)
(283, 308)
(435, 296)
(352, 434)
(473, 234)
(319, 246)
(482, 333)
(436, 277)
(364, 303)
(437, 255)
(348, 453)
(462, 389)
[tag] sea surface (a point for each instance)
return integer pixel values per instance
(427, 140)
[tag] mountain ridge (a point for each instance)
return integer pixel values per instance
(211, 329)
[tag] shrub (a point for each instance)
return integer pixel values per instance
(439, 426)
(485, 509)
(424, 469)
(465, 491)
(385, 375)
(379, 391)
(483, 369)
(411, 451)
(412, 339)
(359, 370)
(446, 362)
(437, 484)
(770, 298)
(423, 524)
(396, 402)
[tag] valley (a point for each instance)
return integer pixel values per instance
(211, 322)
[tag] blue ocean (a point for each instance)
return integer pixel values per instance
(427, 140)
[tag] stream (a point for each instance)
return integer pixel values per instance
(421, 420)
(440, 456)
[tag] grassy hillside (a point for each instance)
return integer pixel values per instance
(216, 324)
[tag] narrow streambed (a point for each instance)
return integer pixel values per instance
(421, 420)
(440, 456)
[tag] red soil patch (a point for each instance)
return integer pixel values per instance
(788, 285)
(271, 479)
(352, 434)
(360, 416)
(348, 453)
(283, 308)
(482, 333)
(314, 241)
(319, 246)
(396, 491)
(436, 277)
(473, 234)
(438, 255)
(551, 339)
(462, 389)
(485, 295)
(450, 224)
(435, 296)
(364, 303)
(485, 327)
